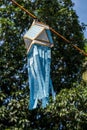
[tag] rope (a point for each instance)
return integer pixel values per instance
(34, 17)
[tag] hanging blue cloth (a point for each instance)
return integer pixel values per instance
(38, 41)
(40, 83)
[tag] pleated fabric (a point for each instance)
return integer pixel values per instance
(40, 83)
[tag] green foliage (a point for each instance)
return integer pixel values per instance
(69, 109)
(67, 112)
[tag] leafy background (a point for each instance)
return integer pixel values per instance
(69, 111)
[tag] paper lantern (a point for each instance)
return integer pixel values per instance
(38, 41)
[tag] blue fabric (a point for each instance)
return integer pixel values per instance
(40, 84)
(49, 36)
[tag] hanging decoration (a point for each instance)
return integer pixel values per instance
(38, 42)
